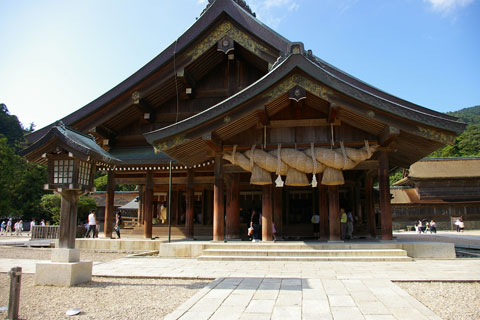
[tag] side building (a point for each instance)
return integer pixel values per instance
(442, 189)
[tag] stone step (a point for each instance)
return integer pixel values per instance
(305, 252)
(304, 258)
(246, 245)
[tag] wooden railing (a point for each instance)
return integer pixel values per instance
(45, 232)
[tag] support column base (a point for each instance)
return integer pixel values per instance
(63, 274)
(65, 255)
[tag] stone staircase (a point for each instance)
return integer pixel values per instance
(303, 251)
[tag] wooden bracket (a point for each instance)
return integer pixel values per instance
(388, 136)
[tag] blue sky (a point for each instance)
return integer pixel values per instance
(56, 56)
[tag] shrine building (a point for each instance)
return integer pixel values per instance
(251, 120)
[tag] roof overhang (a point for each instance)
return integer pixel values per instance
(300, 69)
(76, 143)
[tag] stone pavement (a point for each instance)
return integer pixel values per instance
(291, 290)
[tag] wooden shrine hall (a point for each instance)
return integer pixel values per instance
(252, 120)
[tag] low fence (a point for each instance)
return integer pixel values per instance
(45, 232)
(52, 232)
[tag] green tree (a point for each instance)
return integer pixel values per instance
(85, 204)
(10, 127)
(51, 203)
(466, 144)
(100, 183)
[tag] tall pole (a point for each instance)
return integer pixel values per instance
(170, 203)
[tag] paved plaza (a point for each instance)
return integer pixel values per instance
(291, 290)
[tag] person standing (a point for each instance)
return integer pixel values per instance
(3, 227)
(349, 225)
(316, 225)
(457, 223)
(32, 224)
(42, 223)
(343, 223)
(9, 227)
(118, 223)
(461, 225)
(255, 224)
(92, 224)
(433, 226)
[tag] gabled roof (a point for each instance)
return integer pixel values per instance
(442, 168)
(308, 64)
(79, 144)
(213, 118)
(209, 17)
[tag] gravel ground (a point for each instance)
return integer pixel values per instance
(45, 253)
(449, 300)
(102, 298)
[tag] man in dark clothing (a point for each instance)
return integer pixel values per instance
(255, 224)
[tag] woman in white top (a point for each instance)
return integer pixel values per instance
(92, 224)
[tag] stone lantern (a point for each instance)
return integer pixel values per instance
(71, 158)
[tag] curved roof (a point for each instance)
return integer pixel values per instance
(81, 145)
(312, 67)
(209, 17)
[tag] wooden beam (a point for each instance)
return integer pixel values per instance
(332, 113)
(213, 142)
(164, 180)
(301, 145)
(302, 123)
(104, 132)
(367, 165)
(147, 109)
(388, 136)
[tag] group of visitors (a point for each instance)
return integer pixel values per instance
(424, 226)
(255, 229)
(16, 227)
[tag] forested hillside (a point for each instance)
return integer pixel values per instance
(468, 143)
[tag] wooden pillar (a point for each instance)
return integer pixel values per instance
(384, 196)
(233, 207)
(358, 203)
(267, 206)
(278, 209)
(140, 204)
(209, 206)
(175, 215)
(148, 206)
(190, 204)
(334, 213)
(369, 206)
(68, 218)
(218, 200)
(109, 205)
(323, 210)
